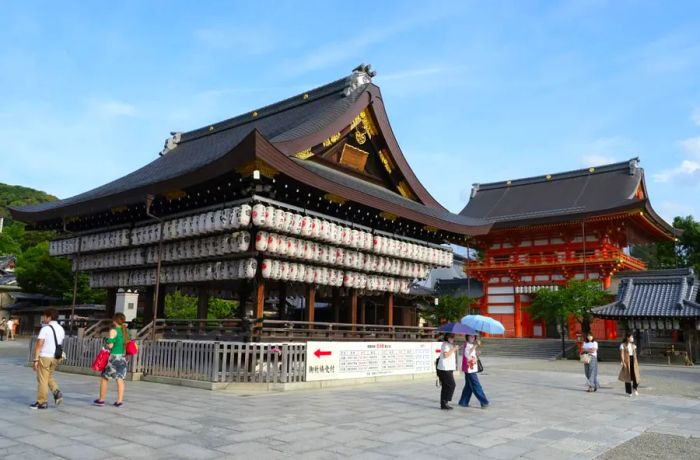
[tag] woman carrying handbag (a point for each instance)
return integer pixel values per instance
(470, 367)
(116, 365)
(629, 367)
(589, 358)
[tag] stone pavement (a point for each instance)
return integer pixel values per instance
(539, 411)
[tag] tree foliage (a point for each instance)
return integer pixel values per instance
(42, 274)
(674, 254)
(15, 195)
(576, 299)
(450, 309)
(181, 306)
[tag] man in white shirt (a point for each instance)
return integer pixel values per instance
(10, 329)
(45, 361)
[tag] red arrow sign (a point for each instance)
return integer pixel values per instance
(320, 353)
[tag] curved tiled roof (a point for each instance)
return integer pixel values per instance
(656, 294)
(567, 195)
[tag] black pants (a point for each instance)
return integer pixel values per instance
(447, 381)
(633, 384)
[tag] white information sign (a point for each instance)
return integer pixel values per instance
(348, 360)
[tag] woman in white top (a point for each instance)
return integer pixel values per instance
(590, 351)
(447, 365)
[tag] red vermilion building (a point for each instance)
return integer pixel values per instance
(554, 228)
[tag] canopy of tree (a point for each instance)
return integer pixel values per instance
(180, 306)
(449, 309)
(576, 299)
(679, 254)
(16, 195)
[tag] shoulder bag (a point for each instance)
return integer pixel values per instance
(58, 354)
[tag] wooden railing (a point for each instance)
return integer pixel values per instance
(235, 330)
(97, 328)
(534, 260)
(302, 330)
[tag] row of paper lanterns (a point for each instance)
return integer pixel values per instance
(246, 269)
(316, 228)
(273, 243)
(211, 271)
(310, 274)
(261, 216)
(126, 258)
(655, 323)
(213, 246)
(533, 289)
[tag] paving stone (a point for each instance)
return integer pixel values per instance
(392, 420)
(81, 452)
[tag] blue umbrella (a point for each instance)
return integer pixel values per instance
(457, 328)
(484, 324)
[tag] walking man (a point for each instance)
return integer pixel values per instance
(45, 361)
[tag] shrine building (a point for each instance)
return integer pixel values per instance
(303, 202)
(553, 228)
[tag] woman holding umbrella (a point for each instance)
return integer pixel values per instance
(470, 368)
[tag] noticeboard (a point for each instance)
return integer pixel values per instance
(348, 360)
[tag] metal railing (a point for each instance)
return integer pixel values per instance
(207, 361)
(302, 330)
(534, 261)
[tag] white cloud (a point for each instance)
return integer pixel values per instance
(606, 150)
(595, 159)
(695, 116)
(688, 169)
(115, 108)
(691, 146)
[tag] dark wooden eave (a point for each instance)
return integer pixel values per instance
(273, 135)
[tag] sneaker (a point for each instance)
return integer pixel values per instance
(37, 405)
(58, 397)
(485, 406)
(98, 402)
(118, 404)
(636, 393)
(629, 395)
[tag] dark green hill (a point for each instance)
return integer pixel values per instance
(16, 195)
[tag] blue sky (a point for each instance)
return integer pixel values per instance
(476, 91)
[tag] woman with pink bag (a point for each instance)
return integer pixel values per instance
(470, 367)
(116, 365)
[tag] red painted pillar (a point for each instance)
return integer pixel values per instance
(518, 316)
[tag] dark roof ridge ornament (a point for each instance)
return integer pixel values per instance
(171, 142)
(627, 296)
(361, 75)
(634, 165)
(475, 190)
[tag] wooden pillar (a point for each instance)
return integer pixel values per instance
(282, 306)
(161, 302)
(260, 299)
(336, 305)
(203, 302)
(111, 302)
(353, 307)
(390, 310)
(147, 298)
(518, 315)
(363, 311)
(310, 303)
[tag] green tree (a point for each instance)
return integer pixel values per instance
(684, 252)
(181, 306)
(575, 300)
(449, 309)
(8, 245)
(40, 273)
